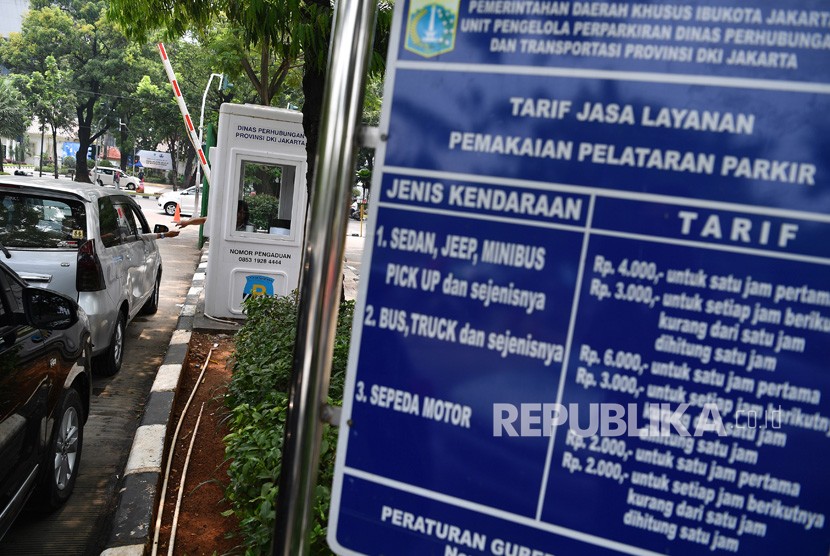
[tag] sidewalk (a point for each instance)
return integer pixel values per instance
(132, 527)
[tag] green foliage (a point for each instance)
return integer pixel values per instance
(90, 63)
(263, 209)
(13, 115)
(258, 399)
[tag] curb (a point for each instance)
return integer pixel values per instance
(133, 518)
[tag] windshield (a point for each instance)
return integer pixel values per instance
(41, 221)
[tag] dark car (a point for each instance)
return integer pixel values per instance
(45, 386)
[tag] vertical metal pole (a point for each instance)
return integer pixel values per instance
(197, 205)
(320, 283)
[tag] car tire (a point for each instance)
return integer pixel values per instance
(63, 458)
(152, 304)
(100, 183)
(109, 362)
(170, 208)
(131, 186)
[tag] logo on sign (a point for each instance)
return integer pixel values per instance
(431, 27)
(256, 285)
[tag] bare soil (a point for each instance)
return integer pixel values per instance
(201, 529)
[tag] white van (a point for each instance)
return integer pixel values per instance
(106, 176)
(90, 243)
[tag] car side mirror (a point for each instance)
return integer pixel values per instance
(160, 229)
(48, 310)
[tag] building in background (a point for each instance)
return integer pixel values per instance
(12, 19)
(34, 151)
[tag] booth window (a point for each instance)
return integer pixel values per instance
(266, 197)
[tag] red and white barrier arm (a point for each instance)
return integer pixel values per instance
(194, 137)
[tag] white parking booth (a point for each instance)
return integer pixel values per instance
(257, 207)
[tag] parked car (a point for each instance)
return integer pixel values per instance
(45, 388)
(106, 176)
(127, 181)
(90, 243)
(186, 199)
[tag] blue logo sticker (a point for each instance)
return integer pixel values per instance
(431, 27)
(256, 285)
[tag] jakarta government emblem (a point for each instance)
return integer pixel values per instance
(430, 29)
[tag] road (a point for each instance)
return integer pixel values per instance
(82, 526)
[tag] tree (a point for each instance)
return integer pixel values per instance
(159, 115)
(77, 34)
(283, 33)
(140, 60)
(13, 114)
(52, 102)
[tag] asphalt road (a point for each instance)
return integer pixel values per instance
(82, 526)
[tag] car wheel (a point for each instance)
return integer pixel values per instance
(152, 304)
(100, 183)
(131, 186)
(170, 208)
(109, 362)
(63, 458)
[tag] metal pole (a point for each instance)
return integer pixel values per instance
(349, 54)
(197, 205)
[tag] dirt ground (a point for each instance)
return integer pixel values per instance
(201, 529)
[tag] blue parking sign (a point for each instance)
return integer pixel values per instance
(595, 311)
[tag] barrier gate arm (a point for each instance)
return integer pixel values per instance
(191, 131)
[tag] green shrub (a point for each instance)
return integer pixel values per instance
(258, 400)
(263, 209)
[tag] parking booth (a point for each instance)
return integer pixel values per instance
(257, 207)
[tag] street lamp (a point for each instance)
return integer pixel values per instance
(198, 208)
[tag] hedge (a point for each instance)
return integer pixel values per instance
(258, 400)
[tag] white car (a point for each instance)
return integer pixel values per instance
(186, 199)
(105, 176)
(114, 177)
(90, 243)
(129, 182)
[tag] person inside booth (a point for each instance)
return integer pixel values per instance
(243, 215)
(265, 197)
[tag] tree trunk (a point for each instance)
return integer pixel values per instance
(40, 161)
(314, 83)
(55, 150)
(189, 167)
(84, 141)
(122, 140)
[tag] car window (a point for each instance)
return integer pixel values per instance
(126, 221)
(41, 221)
(108, 223)
(11, 298)
(141, 222)
(6, 317)
(265, 197)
